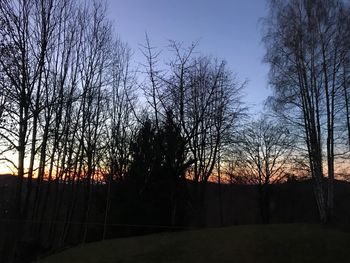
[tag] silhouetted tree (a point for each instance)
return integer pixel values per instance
(205, 100)
(157, 172)
(305, 50)
(265, 150)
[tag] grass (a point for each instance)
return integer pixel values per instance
(250, 243)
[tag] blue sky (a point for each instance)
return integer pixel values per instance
(227, 29)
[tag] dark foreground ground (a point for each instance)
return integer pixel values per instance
(250, 243)
(292, 202)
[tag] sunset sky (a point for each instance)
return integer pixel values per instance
(227, 29)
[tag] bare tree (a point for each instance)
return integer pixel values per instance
(265, 150)
(204, 97)
(121, 124)
(55, 91)
(305, 54)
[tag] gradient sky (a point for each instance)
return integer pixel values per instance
(227, 29)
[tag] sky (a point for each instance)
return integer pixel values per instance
(226, 29)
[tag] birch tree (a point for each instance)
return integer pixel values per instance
(303, 40)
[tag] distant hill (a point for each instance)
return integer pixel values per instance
(290, 202)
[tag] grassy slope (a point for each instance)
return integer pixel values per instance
(253, 243)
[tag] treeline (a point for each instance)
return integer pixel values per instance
(87, 129)
(70, 113)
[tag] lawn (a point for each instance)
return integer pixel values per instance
(250, 243)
